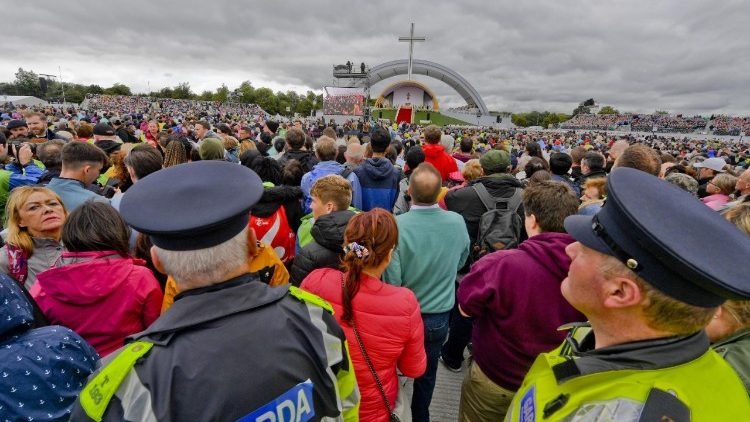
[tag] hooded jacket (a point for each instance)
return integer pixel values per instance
(379, 180)
(101, 296)
(325, 168)
(306, 159)
(282, 195)
(325, 251)
(515, 298)
(466, 202)
(44, 369)
(435, 154)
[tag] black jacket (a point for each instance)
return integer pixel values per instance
(325, 251)
(276, 196)
(306, 158)
(228, 349)
(125, 136)
(466, 202)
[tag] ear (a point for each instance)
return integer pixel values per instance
(252, 243)
(156, 261)
(719, 312)
(330, 207)
(531, 221)
(622, 292)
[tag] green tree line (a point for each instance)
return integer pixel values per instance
(286, 103)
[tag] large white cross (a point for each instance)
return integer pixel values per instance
(411, 39)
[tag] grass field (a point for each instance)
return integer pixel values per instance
(436, 117)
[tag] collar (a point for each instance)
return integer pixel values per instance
(639, 355)
(198, 306)
(739, 335)
(68, 180)
(424, 207)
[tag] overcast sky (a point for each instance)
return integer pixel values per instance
(682, 56)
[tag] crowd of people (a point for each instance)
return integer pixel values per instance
(177, 108)
(183, 263)
(637, 122)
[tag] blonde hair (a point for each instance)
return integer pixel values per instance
(333, 188)
(662, 312)
(472, 170)
(725, 182)
(247, 146)
(19, 236)
(739, 215)
(600, 183)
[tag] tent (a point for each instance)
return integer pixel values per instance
(22, 100)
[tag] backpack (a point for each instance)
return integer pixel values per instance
(274, 230)
(500, 226)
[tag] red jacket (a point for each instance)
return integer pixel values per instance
(390, 325)
(101, 296)
(435, 154)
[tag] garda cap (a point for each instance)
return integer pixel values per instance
(192, 206)
(669, 238)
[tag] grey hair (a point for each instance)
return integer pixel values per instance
(205, 266)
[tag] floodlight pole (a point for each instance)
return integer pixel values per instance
(62, 84)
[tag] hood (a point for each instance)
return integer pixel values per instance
(326, 168)
(432, 151)
(548, 249)
(16, 312)
(463, 157)
(89, 278)
(273, 198)
(300, 155)
(377, 168)
(329, 229)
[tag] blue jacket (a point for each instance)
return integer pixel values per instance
(326, 168)
(44, 369)
(379, 180)
(73, 193)
(21, 176)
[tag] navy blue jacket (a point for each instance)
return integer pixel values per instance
(379, 180)
(45, 368)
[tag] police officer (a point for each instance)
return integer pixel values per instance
(648, 271)
(230, 348)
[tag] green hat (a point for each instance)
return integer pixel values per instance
(495, 161)
(211, 149)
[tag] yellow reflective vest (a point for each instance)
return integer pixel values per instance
(702, 389)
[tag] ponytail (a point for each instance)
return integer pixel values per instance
(370, 237)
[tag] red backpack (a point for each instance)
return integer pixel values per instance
(275, 231)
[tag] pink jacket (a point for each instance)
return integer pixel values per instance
(716, 201)
(100, 295)
(390, 324)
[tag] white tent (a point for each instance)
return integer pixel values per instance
(22, 100)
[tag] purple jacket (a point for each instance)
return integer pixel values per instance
(515, 298)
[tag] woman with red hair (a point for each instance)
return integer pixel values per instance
(383, 324)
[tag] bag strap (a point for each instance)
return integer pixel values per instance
(513, 201)
(345, 174)
(367, 358)
(484, 196)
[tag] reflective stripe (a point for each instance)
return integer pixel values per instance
(136, 400)
(345, 382)
(308, 297)
(99, 391)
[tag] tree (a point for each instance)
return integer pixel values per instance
(222, 93)
(182, 91)
(588, 103)
(246, 93)
(206, 96)
(265, 98)
(27, 83)
(118, 89)
(581, 109)
(608, 110)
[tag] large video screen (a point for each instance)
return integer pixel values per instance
(343, 101)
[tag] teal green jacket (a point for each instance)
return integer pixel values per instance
(433, 245)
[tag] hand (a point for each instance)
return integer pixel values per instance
(24, 154)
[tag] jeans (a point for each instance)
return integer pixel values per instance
(435, 332)
(458, 339)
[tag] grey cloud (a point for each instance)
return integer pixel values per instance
(684, 56)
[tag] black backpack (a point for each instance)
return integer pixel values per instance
(500, 226)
